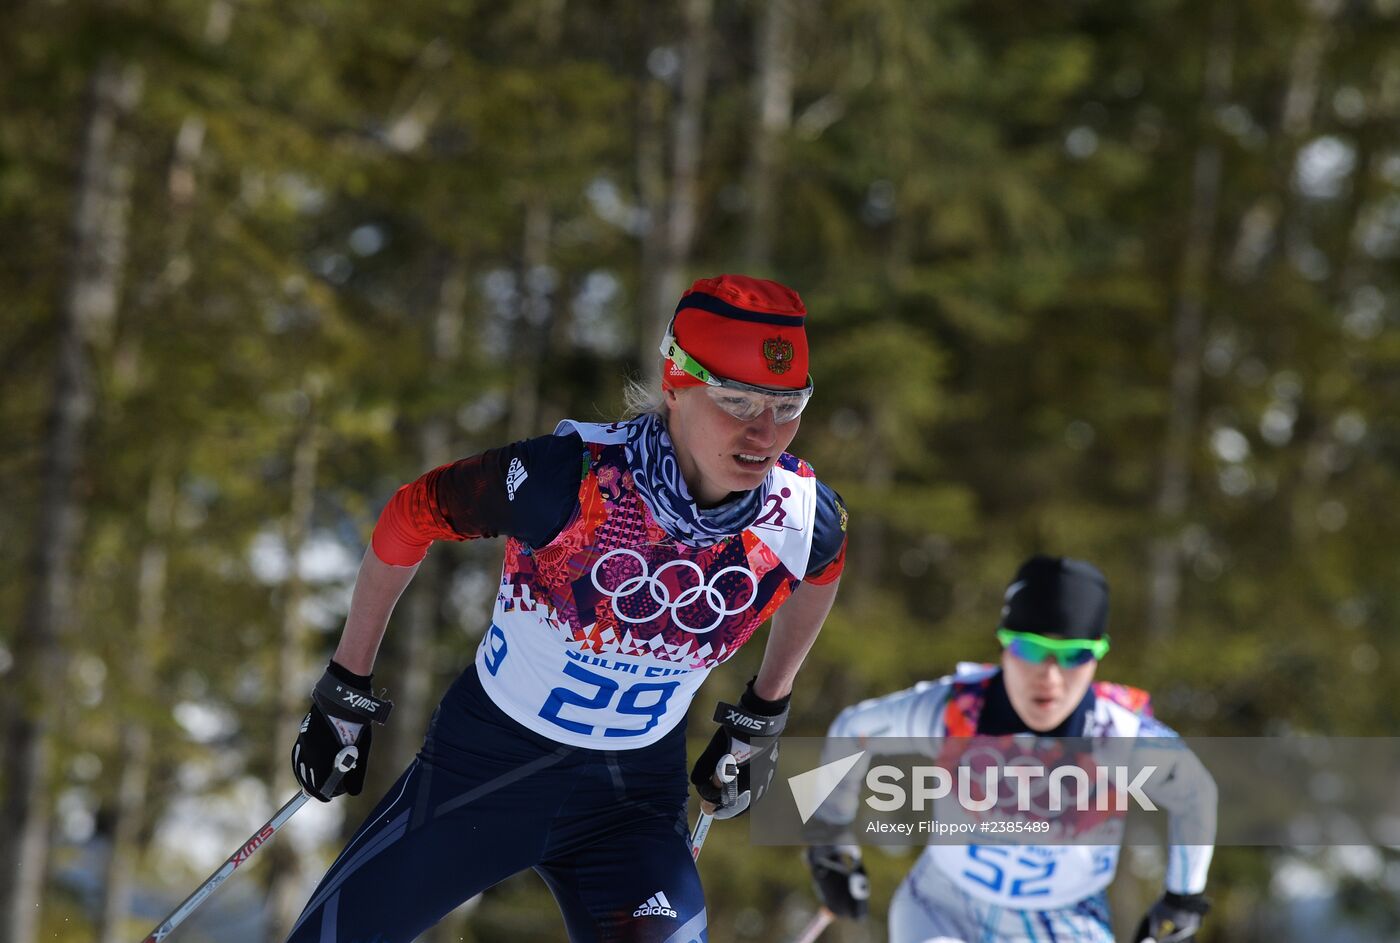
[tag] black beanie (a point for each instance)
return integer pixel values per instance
(1057, 596)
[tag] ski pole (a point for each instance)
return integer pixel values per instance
(814, 928)
(725, 772)
(344, 762)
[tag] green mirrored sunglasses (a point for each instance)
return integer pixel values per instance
(1069, 652)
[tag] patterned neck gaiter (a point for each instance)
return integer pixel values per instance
(656, 474)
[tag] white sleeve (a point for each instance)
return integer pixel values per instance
(904, 722)
(1185, 788)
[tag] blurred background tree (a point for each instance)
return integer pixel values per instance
(1109, 280)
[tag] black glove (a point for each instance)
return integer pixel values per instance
(342, 714)
(1173, 919)
(753, 717)
(840, 879)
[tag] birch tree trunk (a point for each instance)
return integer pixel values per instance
(773, 51)
(284, 867)
(1259, 225)
(129, 806)
(673, 206)
(538, 280)
(532, 322)
(139, 672)
(406, 664)
(96, 260)
(1188, 316)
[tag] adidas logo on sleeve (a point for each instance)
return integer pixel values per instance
(515, 477)
(656, 906)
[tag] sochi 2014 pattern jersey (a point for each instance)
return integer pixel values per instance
(1031, 877)
(604, 625)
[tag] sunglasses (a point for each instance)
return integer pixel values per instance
(1069, 652)
(743, 401)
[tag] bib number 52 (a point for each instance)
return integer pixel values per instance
(596, 693)
(1000, 873)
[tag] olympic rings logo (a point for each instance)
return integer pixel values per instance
(660, 593)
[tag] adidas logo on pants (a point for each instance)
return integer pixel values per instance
(656, 906)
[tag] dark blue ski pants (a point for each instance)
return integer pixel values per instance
(486, 798)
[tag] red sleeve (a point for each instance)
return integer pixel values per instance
(410, 522)
(528, 489)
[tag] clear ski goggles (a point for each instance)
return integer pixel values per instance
(743, 401)
(1069, 652)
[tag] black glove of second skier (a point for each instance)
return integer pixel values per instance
(840, 879)
(343, 712)
(1173, 919)
(740, 724)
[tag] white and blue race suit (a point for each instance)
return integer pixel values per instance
(1020, 893)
